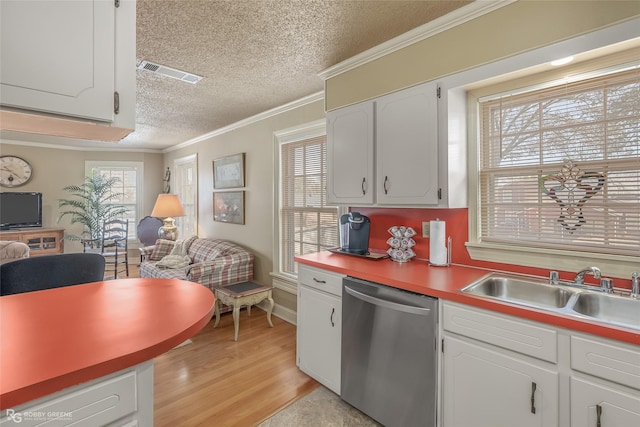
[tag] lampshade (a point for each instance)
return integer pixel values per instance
(167, 206)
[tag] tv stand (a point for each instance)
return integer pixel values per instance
(41, 241)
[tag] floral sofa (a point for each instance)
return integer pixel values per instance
(213, 262)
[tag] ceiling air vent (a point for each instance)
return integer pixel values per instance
(169, 72)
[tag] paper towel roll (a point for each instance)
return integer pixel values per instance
(437, 242)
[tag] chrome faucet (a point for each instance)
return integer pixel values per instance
(579, 280)
(635, 285)
(606, 285)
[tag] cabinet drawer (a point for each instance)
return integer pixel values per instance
(611, 362)
(503, 331)
(323, 280)
(97, 403)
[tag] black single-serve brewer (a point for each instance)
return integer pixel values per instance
(354, 233)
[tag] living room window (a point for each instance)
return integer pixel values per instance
(185, 178)
(306, 222)
(559, 166)
(129, 176)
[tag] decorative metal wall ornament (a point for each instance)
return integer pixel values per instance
(576, 188)
(167, 181)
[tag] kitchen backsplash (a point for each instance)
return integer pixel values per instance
(457, 227)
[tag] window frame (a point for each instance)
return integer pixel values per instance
(181, 189)
(91, 165)
(614, 265)
(284, 280)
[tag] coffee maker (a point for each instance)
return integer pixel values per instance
(354, 233)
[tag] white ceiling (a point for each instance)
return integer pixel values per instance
(254, 55)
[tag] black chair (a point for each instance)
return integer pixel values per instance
(115, 247)
(147, 230)
(50, 271)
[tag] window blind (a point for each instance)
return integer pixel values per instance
(560, 167)
(307, 222)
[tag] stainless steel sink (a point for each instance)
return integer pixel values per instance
(581, 301)
(519, 290)
(609, 308)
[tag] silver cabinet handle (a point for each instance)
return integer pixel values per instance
(333, 310)
(599, 415)
(364, 180)
(319, 281)
(384, 185)
(533, 398)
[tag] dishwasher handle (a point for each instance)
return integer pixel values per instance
(422, 311)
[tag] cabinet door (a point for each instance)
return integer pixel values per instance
(350, 155)
(488, 388)
(407, 146)
(594, 405)
(319, 329)
(59, 57)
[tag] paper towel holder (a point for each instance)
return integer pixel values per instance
(448, 263)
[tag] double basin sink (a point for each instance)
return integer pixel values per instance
(574, 300)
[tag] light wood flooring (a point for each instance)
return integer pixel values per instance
(216, 381)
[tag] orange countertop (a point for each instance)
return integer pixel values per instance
(57, 338)
(445, 283)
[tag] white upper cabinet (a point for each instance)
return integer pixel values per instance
(407, 147)
(390, 152)
(350, 178)
(70, 58)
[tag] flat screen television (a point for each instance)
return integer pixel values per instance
(20, 210)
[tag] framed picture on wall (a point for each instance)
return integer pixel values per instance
(228, 206)
(228, 172)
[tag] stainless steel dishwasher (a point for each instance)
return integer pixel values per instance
(389, 353)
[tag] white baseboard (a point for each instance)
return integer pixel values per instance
(283, 313)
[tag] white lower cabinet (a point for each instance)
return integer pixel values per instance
(319, 328)
(487, 386)
(598, 405)
(605, 385)
(124, 398)
(499, 370)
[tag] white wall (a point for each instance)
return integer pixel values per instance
(257, 141)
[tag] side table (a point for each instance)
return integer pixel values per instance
(242, 294)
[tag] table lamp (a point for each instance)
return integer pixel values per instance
(168, 206)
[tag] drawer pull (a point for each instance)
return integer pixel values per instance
(319, 281)
(384, 185)
(333, 310)
(598, 415)
(533, 397)
(364, 191)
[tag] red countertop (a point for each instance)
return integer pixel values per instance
(57, 338)
(445, 283)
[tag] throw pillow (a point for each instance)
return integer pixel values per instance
(162, 248)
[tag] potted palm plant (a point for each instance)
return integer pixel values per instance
(91, 204)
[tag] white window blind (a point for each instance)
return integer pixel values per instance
(560, 167)
(307, 223)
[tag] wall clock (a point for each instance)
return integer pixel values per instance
(14, 171)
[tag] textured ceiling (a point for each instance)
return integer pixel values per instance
(254, 55)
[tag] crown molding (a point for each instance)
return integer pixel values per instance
(109, 148)
(318, 96)
(438, 25)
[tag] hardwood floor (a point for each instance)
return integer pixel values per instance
(216, 381)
